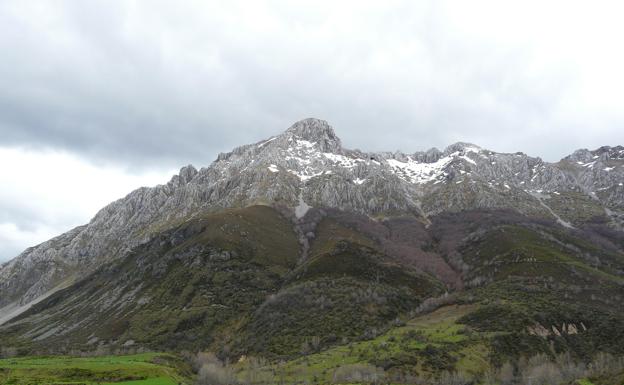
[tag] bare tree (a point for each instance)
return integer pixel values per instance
(212, 371)
(506, 374)
(359, 373)
(455, 378)
(214, 374)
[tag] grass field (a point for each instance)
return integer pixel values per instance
(139, 369)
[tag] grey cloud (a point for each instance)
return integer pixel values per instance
(150, 84)
(159, 84)
(24, 218)
(8, 251)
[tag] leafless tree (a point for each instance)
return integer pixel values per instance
(359, 373)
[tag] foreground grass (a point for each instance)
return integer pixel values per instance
(139, 369)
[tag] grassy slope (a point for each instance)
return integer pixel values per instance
(532, 275)
(181, 290)
(524, 252)
(345, 291)
(230, 282)
(541, 276)
(140, 369)
(424, 345)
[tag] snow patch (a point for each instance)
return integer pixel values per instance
(419, 172)
(304, 143)
(342, 160)
(467, 159)
(266, 142)
(306, 175)
(587, 165)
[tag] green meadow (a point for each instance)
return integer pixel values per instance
(139, 369)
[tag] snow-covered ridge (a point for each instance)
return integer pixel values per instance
(310, 149)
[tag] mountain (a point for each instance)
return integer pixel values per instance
(307, 166)
(294, 245)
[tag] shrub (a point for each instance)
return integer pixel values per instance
(454, 378)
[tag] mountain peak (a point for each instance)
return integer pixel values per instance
(608, 152)
(310, 126)
(603, 153)
(316, 131)
(462, 147)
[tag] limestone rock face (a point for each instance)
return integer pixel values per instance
(306, 166)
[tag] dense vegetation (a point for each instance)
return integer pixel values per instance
(473, 297)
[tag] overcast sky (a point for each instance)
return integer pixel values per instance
(100, 97)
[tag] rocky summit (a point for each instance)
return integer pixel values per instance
(298, 222)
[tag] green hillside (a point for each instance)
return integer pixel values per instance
(341, 299)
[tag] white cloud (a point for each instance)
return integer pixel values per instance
(157, 84)
(46, 193)
(14, 240)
